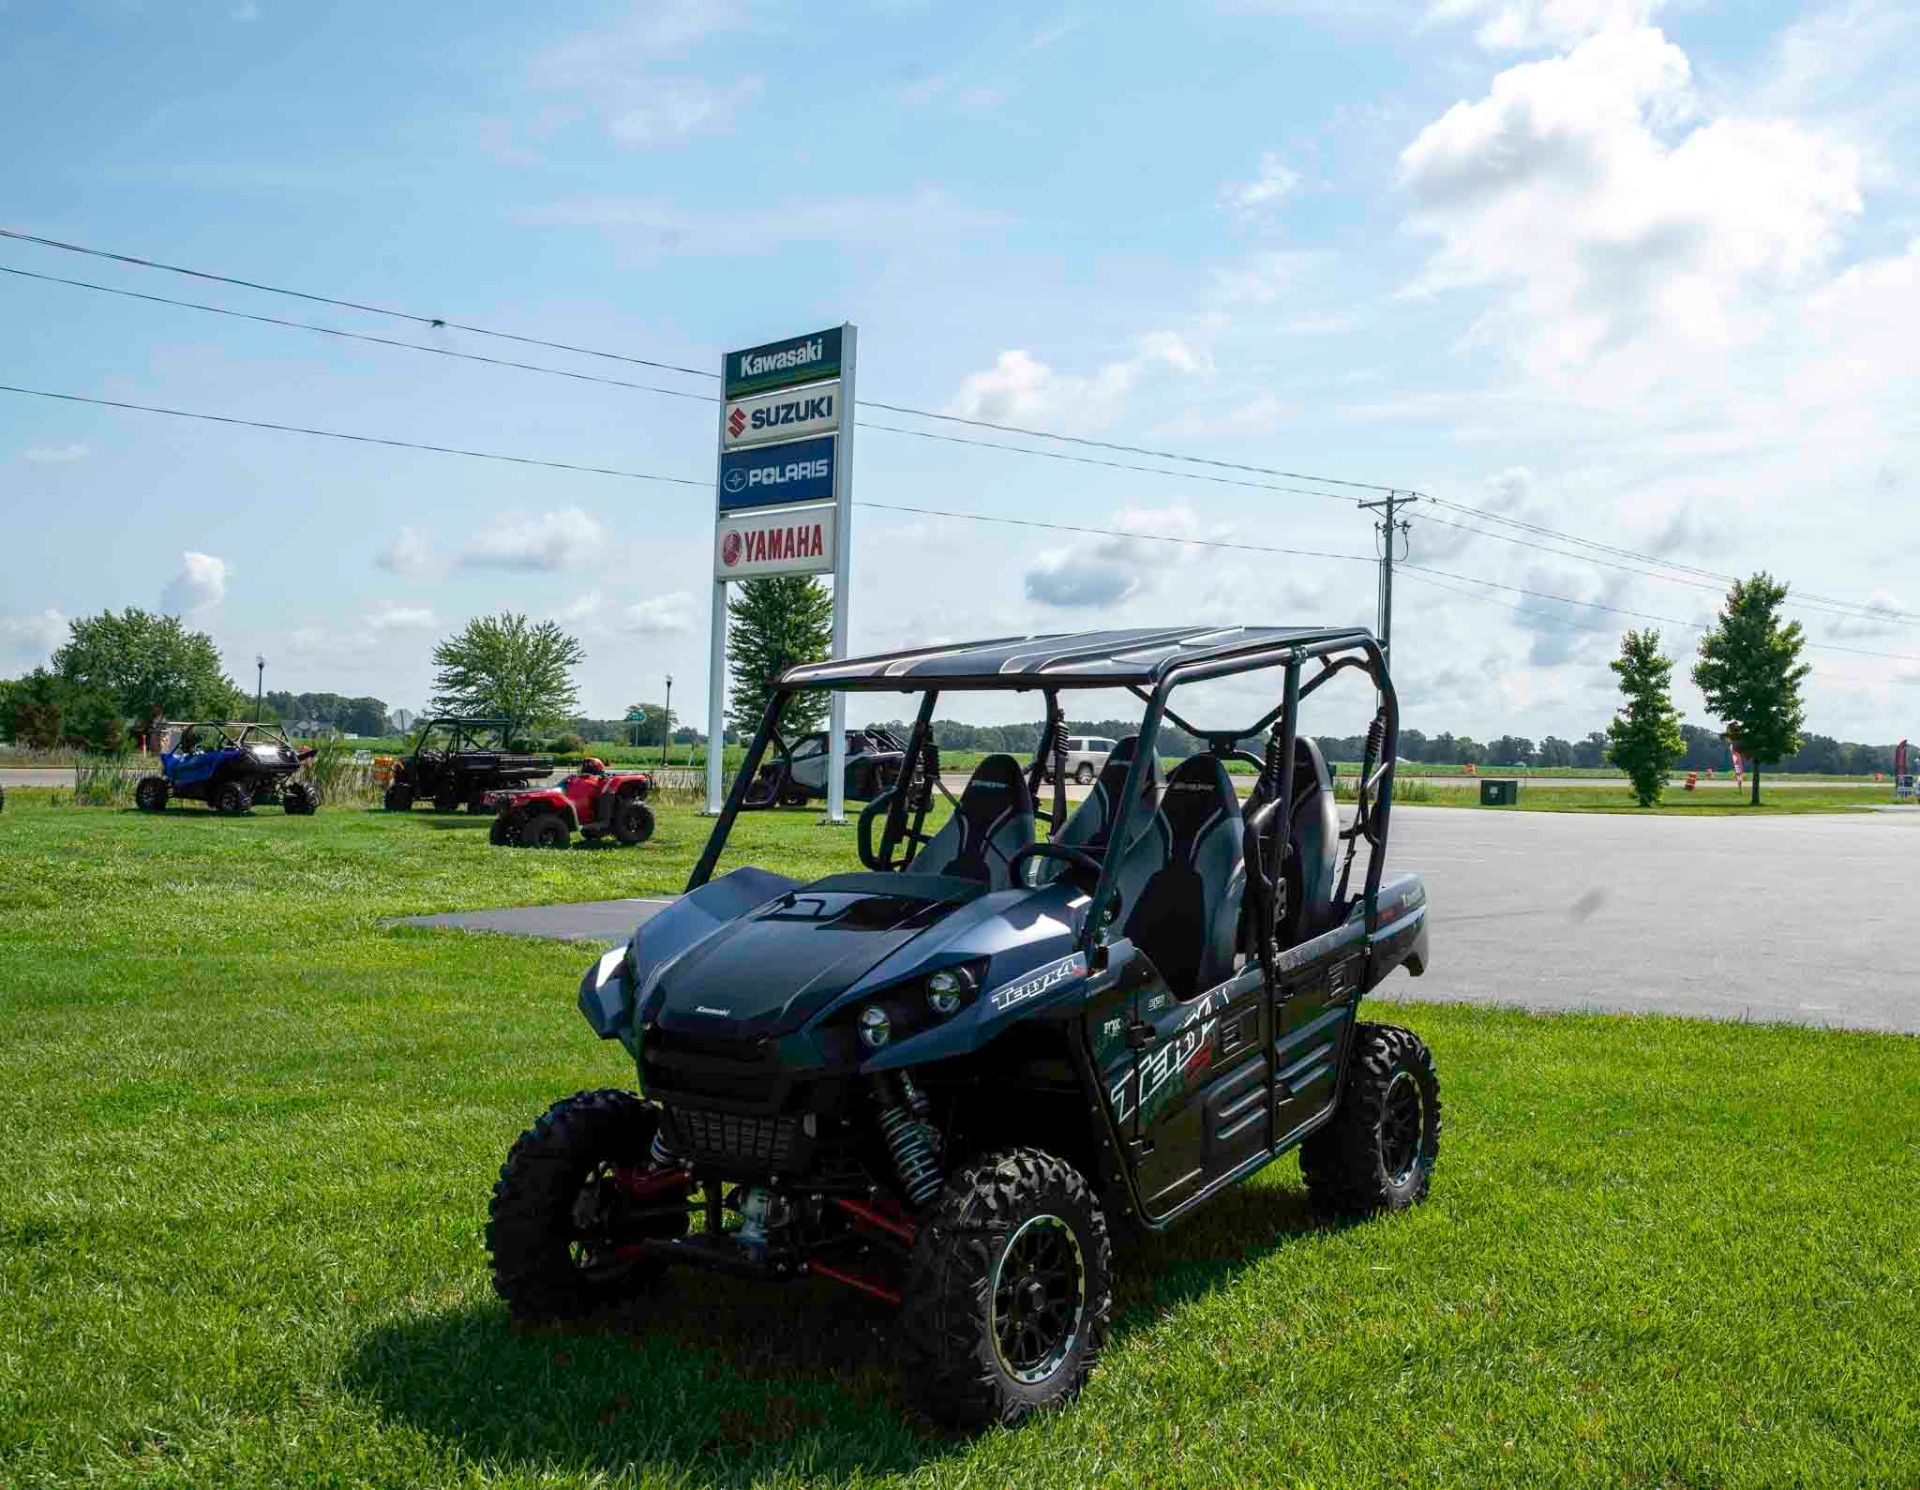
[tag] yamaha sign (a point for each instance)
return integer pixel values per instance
(784, 540)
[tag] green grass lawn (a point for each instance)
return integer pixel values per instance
(251, 1136)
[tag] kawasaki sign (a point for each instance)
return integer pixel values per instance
(780, 364)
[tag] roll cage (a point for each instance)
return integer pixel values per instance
(1148, 664)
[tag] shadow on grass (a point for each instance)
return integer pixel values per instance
(726, 1382)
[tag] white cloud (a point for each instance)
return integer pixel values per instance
(1251, 199)
(56, 455)
(392, 617)
(563, 538)
(33, 635)
(1021, 389)
(410, 554)
(1521, 25)
(634, 74)
(1603, 225)
(1105, 570)
(1885, 617)
(663, 615)
(200, 585)
(580, 609)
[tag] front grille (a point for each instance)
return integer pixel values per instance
(736, 1141)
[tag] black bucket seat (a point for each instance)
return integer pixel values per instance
(1090, 827)
(992, 821)
(1313, 828)
(1186, 915)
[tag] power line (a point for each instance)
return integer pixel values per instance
(334, 434)
(437, 322)
(440, 322)
(384, 341)
(1875, 611)
(379, 341)
(1817, 604)
(1085, 530)
(556, 465)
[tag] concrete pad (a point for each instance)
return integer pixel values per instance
(607, 921)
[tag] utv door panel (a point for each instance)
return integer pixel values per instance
(1312, 1020)
(1203, 1059)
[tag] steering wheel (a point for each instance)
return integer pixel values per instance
(1045, 850)
(877, 807)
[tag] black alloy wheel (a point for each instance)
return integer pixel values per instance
(1039, 1298)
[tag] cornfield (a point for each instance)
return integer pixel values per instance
(683, 786)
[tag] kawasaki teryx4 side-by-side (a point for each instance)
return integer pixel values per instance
(230, 767)
(797, 773)
(953, 1081)
(456, 763)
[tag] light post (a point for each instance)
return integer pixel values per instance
(666, 723)
(259, 683)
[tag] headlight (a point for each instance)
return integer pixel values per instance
(875, 1028)
(947, 989)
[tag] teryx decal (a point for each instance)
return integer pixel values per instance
(1038, 982)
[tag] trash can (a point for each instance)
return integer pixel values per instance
(1499, 793)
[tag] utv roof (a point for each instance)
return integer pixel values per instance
(1086, 659)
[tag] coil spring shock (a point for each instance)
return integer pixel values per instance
(662, 1156)
(908, 1140)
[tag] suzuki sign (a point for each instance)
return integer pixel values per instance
(781, 416)
(787, 540)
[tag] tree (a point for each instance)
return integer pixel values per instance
(1644, 737)
(1555, 751)
(151, 666)
(505, 667)
(1591, 753)
(650, 728)
(1510, 750)
(1750, 673)
(777, 622)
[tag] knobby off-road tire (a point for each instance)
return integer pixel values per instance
(448, 802)
(151, 794)
(1084, 775)
(544, 830)
(1008, 1292)
(299, 799)
(632, 821)
(1378, 1150)
(231, 799)
(546, 1227)
(398, 799)
(504, 832)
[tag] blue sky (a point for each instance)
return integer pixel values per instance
(1644, 273)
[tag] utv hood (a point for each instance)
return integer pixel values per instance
(781, 963)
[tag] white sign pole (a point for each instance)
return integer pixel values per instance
(842, 592)
(716, 698)
(717, 650)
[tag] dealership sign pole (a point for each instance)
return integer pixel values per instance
(782, 503)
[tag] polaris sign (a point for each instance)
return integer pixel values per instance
(780, 364)
(781, 416)
(798, 471)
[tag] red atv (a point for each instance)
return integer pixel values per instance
(594, 800)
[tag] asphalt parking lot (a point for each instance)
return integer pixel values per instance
(1807, 920)
(1810, 919)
